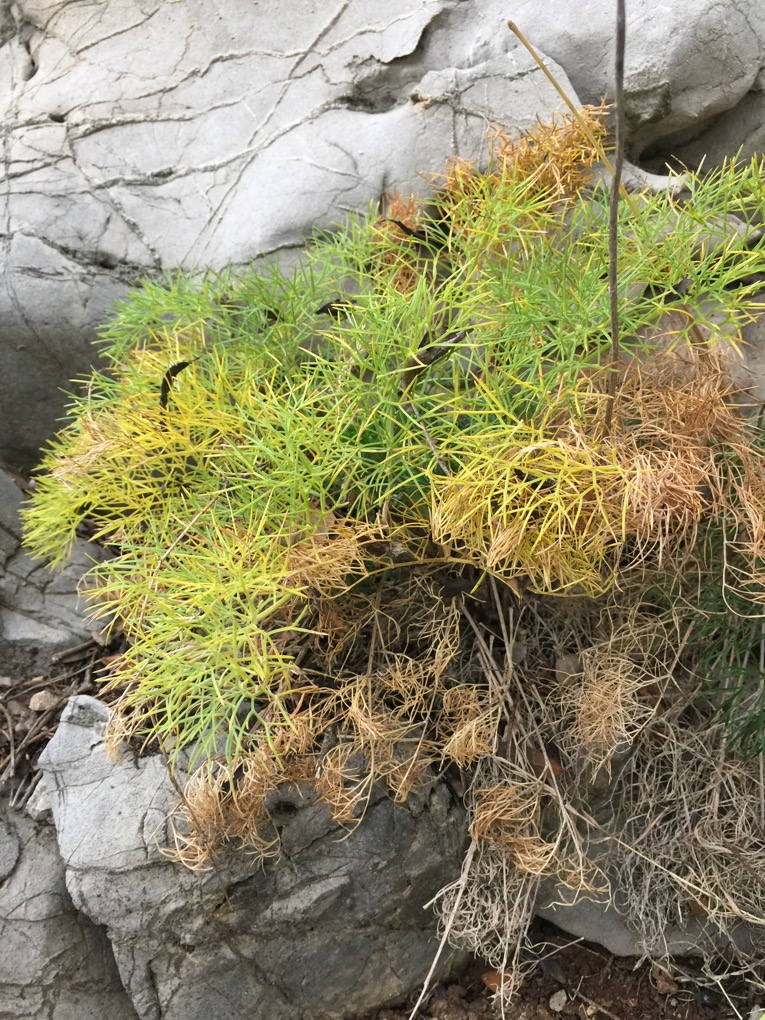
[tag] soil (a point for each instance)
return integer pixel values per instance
(31, 705)
(580, 980)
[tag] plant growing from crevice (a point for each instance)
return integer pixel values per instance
(369, 523)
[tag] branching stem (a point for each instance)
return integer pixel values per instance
(613, 218)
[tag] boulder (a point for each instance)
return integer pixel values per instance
(605, 922)
(749, 369)
(156, 135)
(736, 132)
(335, 925)
(40, 610)
(686, 62)
(55, 964)
(150, 136)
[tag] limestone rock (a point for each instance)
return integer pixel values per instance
(740, 130)
(55, 963)
(335, 925)
(685, 62)
(39, 610)
(606, 924)
(748, 370)
(154, 135)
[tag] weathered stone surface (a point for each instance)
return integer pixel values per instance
(749, 369)
(606, 924)
(292, 939)
(686, 62)
(55, 964)
(39, 610)
(740, 130)
(153, 135)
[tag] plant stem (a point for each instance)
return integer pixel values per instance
(613, 218)
(574, 111)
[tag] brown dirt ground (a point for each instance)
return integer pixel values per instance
(30, 707)
(581, 980)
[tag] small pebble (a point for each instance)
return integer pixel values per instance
(708, 997)
(558, 1000)
(41, 701)
(663, 980)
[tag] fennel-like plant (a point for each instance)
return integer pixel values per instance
(272, 455)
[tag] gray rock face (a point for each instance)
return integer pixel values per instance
(335, 925)
(749, 369)
(604, 923)
(39, 610)
(155, 135)
(149, 136)
(686, 62)
(55, 963)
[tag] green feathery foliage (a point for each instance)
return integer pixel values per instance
(426, 388)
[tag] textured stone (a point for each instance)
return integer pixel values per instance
(155, 135)
(606, 924)
(686, 62)
(749, 368)
(40, 610)
(55, 964)
(146, 136)
(740, 130)
(288, 940)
